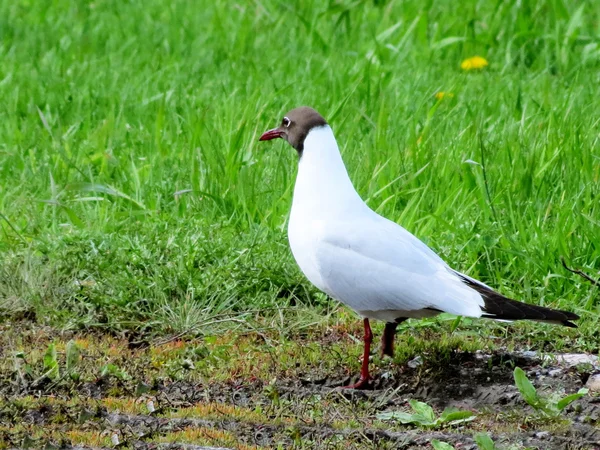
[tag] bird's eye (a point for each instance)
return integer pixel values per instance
(286, 122)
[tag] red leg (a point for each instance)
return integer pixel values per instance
(363, 381)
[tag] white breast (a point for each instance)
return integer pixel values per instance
(323, 190)
(303, 238)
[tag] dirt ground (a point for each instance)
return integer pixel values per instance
(255, 392)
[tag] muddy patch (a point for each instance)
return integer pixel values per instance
(238, 393)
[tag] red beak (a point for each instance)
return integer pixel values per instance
(271, 134)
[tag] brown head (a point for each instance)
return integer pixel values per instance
(295, 126)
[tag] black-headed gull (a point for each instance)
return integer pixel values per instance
(368, 262)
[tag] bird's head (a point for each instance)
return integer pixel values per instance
(294, 127)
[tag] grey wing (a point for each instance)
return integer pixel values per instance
(377, 265)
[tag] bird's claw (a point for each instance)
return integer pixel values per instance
(362, 383)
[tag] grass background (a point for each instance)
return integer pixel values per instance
(134, 192)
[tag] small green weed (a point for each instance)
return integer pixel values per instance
(550, 406)
(113, 370)
(51, 369)
(29, 371)
(424, 416)
(73, 356)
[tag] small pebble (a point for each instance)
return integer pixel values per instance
(413, 364)
(593, 383)
(542, 434)
(555, 373)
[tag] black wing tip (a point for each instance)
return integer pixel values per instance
(497, 306)
(570, 315)
(566, 319)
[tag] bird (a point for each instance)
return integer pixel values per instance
(367, 262)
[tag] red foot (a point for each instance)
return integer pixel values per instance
(363, 383)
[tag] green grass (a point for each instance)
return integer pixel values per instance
(134, 192)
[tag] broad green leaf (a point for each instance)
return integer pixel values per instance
(400, 416)
(455, 416)
(484, 442)
(527, 389)
(422, 409)
(563, 403)
(51, 362)
(439, 445)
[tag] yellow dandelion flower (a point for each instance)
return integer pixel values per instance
(441, 95)
(475, 62)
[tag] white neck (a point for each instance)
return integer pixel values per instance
(323, 187)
